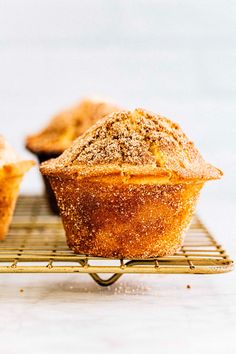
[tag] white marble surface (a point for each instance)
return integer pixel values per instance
(70, 313)
(174, 57)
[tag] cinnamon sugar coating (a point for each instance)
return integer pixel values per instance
(130, 221)
(137, 142)
(127, 188)
(68, 125)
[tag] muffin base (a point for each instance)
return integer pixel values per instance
(121, 220)
(9, 188)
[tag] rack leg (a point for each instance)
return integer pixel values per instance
(105, 282)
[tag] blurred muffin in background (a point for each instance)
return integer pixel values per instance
(62, 130)
(12, 170)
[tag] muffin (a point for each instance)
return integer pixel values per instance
(12, 170)
(62, 130)
(128, 187)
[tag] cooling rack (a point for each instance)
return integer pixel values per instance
(36, 244)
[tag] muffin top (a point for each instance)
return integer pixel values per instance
(10, 162)
(133, 143)
(68, 125)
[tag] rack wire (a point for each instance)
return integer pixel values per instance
(36, 244)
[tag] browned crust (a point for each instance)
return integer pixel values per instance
(124, 220)
(129, 174)
(133, 145)
(68, 125)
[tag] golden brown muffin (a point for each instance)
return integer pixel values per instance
(62, 130)
(128, 187)
(12, 170)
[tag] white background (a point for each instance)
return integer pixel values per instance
(177, 58)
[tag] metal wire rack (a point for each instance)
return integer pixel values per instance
(36, 244)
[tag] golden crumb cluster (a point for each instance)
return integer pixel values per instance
(68, 125)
